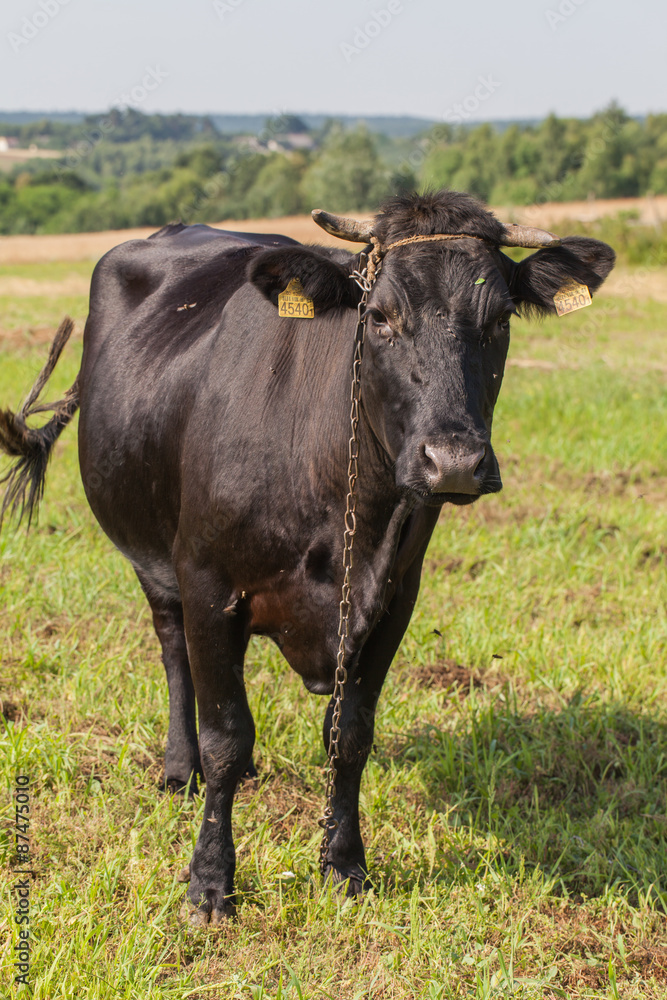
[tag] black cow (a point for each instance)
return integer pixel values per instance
(213, 443)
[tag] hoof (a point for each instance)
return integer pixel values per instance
(250, 773)
(175, 786)
(354, 880)
(198, 918)
(204, 902)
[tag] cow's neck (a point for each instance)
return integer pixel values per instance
(389, 530)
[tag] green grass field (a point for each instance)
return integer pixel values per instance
(515, 809)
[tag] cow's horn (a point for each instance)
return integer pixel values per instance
(345, 229)
(527, 236)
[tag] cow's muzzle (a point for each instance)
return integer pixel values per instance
(462, 471)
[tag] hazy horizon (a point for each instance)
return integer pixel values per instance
(300, 113)
(414, 58)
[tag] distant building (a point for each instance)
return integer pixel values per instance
(250, 142)
(282, 143)
(7, 143)
(298, 140)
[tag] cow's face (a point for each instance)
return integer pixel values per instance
(437, 336)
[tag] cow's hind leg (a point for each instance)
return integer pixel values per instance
(216, 644)
(182, 765)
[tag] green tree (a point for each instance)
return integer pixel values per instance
(348, 175)
(441, 165)
(276, 190)
(283, 124)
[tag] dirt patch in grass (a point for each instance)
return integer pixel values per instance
(651, 962)
(587, 940)
(499, 512)
(15, 706)
(54, 626)
(583, 975)
(632, 485)
(436, 566)
(25, 338)
(654, 556)
(643, 284)
(283, 793)
(12, 711)
(447, 675)
(472, 571)
(621, 482)
(74, 284)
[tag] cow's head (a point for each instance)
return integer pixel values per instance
(438, 319)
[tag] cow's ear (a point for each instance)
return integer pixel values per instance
(539, 277)
(327, 282)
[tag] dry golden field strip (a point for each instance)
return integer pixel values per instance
(88, 246)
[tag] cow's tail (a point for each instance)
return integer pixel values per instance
(31, 447)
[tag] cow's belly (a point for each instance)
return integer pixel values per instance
(304, 625)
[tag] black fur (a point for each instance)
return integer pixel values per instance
(536, 279)
(435, 212)
(324, 275)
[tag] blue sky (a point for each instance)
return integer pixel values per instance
(489, 59)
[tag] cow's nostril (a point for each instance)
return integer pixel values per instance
(430, 465)
(478, 468)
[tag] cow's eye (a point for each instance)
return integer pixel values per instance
(504, 321)
(380, 323)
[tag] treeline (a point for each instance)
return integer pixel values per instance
(117, 126)
(149, 183)
(608, 156)
(129, 169)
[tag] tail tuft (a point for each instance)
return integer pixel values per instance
(25, 479)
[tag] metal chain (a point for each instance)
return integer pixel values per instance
(328, 823)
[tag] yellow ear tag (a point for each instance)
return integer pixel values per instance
(293, 302)
(572, 296)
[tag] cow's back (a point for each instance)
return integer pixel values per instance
(155, 309)
(169, 288)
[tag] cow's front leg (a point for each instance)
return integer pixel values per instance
(216, 646)
(346, 859)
